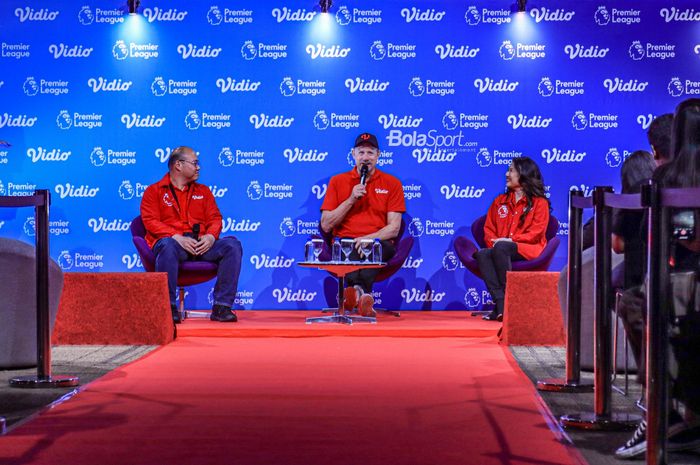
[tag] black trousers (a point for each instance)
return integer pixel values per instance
(493, 265)
(365, 278)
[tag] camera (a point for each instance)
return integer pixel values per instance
(683, 225)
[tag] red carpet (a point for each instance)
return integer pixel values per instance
(306, 401)
(281, 323)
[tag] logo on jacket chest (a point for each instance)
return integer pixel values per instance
(503, 211)
(167, 200)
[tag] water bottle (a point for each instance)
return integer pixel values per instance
(377, 251)
(335, 256)
(309, 251)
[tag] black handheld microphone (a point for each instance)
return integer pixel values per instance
(363, 174)
(195, 231)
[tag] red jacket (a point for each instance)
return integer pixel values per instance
(164, 215)
(503, 220)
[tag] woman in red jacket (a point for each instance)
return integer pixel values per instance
(515, 228)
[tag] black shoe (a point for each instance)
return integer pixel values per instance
(493, 316)
(177, 318)
(223, 314)
(637, 444)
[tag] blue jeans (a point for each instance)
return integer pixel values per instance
(226, 252)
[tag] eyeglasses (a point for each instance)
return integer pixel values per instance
(193, 163)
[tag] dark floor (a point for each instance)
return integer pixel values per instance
(596, 447)
(91, 362)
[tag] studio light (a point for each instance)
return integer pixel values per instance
(133, 6)
(325, 5)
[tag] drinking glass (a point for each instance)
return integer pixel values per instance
(366, 247)
(318, 247)
(346, 246)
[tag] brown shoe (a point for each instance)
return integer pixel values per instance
(349, 299)
(366, 306)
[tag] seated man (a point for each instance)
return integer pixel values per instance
(183, 223)
(363, 203)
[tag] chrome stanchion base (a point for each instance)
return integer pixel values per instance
(562, 385)
(3, 426)
(343, 319)
(589, 420)
(37, 382)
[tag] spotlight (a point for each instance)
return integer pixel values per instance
(325, 5)
(133, 6)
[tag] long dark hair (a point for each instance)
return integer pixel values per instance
(685, 146)
(636, 169)
(531, 182)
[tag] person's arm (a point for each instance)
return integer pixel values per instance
(537, 229)
(150, 214)
(390, 231)
(490, 226)
(332, 218)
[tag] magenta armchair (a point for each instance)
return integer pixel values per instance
(466, 249)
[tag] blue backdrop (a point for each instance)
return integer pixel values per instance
(272, 94)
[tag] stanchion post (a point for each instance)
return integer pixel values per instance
(572, 381)
(657, 326)
(43, 379)
(602, 416)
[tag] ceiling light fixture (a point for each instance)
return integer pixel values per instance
(325, 5)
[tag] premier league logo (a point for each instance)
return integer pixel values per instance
(159, 87)
(506, 50)
(192, 120)
(636, 51)
(602, 16)
(254, 190)
(350, 158)
(321, 120)
(120, 51)
(214, 16)
(472, 16)
(416, 229)
(377, 50)
(126, 190)
(450, 261)
(675, 87)
(416, 88)
(343, 16)
(98, 157)
(484, 158)
(287, 87)
(248, 50)
(579, 121)
(29, 227)
(63, 120)
(226, 157)
(449, 120)
(65, 260)
(30, 87)
(471, 298)
(613, 158)
(545, 87)
(85, 16)
(287, 227)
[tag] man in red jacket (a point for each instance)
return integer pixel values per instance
(183, 223)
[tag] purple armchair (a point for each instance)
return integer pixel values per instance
(466, 249)
(403, 243)
(190, 272)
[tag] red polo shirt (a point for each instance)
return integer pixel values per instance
(503, 220)
(164, 216)
(368, 214)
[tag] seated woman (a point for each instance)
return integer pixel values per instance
(515, 228)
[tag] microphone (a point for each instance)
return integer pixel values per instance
(195, 231)
(363, 174)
